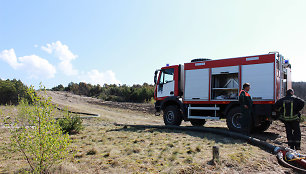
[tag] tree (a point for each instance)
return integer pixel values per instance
(58, 88)
(11, 91)
(38, 136)
(8, 93)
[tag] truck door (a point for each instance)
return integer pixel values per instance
(166, 83)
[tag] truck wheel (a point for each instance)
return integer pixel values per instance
(233, 119)
(262, 127)
(172, 116)
(198, 122)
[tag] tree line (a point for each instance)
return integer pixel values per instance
(118, 93)
(299, 89)
(11, 91)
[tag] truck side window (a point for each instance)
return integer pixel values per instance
(167, 76)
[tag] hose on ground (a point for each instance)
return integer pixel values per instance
(254, 141)
(90, 115)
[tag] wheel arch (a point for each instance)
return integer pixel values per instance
(230, 106)
(173, 101)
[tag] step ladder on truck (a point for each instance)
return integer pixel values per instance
(205, 89)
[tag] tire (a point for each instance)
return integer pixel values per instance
(262, 127)
(233, 119)
(172, 116)
(198, 122)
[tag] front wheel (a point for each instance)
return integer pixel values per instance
(172, 116)
(233, 119)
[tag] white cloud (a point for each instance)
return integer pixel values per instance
(9, 57)
(63, 53)
(65, 56)
(34, 65)
(96, 77)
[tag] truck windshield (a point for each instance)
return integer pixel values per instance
(167, 76)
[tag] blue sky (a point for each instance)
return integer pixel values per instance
(124, 41)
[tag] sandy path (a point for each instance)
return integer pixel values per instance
(84, 104)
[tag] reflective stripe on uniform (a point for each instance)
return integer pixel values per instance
(246, 93)
(289, 117)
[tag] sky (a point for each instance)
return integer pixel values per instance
(125, 41)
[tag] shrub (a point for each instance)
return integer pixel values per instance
(91, 152)
(303, 118)
(71, 123)
(38, 136)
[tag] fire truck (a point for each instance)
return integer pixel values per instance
(206, 89)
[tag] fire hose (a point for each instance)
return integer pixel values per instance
(286, 157)
(89, 115)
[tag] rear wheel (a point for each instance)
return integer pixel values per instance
(172, 116)
(198, 122)
(233, 119)
(262, 127)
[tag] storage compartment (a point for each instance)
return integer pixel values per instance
(261, 78)
(224, 86)
(196, 84)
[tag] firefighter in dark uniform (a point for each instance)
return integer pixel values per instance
(290, 107)
(246, 103)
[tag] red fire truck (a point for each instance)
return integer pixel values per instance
(205, 89)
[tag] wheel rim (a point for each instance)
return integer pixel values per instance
(236, 120)
(170, 116)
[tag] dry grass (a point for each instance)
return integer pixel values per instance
(103, 147)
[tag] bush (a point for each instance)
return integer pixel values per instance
(303, 118)
(37, 135)
(71, 123)
(91, 152)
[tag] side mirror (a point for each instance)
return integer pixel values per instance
(155, 77)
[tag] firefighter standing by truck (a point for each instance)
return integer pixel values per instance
(246, 103)
(290, 107)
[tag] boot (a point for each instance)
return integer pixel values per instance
(297, 147)
(291, 146)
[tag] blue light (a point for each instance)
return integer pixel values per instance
(167, 64)
(286, 61)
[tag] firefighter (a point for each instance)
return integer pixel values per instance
(246, 103)
(290, 107)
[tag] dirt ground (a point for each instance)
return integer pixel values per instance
(141, 107)
(275, 134)
(103, 147)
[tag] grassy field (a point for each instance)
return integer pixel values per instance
(103, 147)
